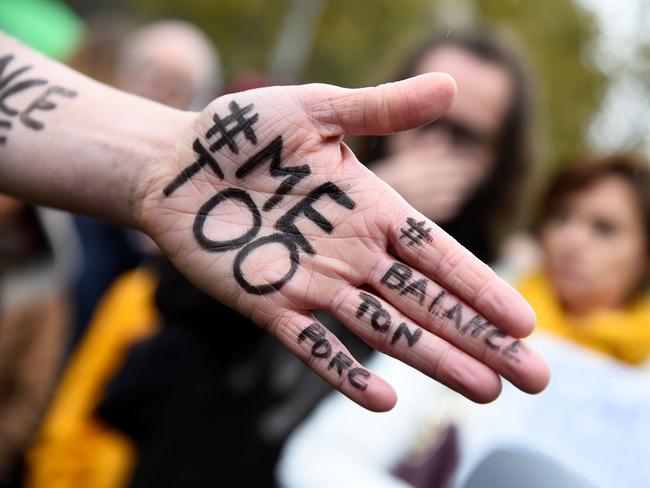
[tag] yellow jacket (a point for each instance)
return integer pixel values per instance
(73, 449)
(622, 334)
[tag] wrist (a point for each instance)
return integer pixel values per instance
(163, 134)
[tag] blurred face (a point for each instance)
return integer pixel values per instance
(164, 72)
(468, 133)
(595, 247)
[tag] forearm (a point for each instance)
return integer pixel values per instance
(70, 142)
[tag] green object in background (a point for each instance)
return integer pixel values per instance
(48, 26)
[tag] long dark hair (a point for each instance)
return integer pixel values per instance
(494, 206)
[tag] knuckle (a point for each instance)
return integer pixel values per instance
(441, 362)
(276, 325)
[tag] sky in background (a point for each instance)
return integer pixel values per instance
(623, 53)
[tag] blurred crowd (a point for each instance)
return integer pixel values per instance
(115, 371)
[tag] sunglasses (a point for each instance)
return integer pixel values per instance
(461, 135)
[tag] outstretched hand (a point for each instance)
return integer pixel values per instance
(266, 209)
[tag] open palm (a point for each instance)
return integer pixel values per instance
(266, 209)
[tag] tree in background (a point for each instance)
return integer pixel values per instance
(363, 42)
(623, 53)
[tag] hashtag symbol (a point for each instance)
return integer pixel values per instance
(416, 232)
(241, 124)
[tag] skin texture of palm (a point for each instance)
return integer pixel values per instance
(268, 210)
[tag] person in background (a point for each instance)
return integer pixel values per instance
(595, 239)
(467, 170)
(34, 315)
(153, 62)
(592, 299)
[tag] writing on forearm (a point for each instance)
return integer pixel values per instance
(288, 235)
(16, 81)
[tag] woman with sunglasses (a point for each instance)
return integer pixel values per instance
(467, 170)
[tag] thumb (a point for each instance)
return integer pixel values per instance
(391, 107)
